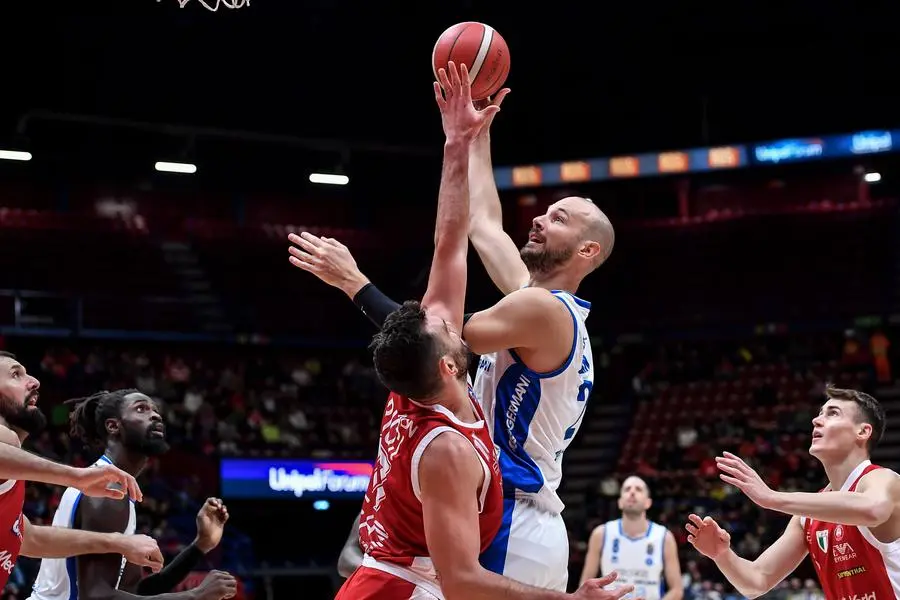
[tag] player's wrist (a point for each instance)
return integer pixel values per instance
(353, 284)
(114, 543)
(202, 545)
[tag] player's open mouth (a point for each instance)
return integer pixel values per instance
(533, 237)
(159, 432)
(32, 400)
(816, 435)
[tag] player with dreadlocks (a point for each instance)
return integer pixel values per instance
(126, 425)
(20, 417)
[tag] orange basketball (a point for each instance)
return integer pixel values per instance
(481, 49)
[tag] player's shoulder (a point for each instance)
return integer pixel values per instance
(538, 302)
(879, 476)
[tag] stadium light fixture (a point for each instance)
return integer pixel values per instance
(14, 155)
(329, 179)
(174, 167)
(872, 177)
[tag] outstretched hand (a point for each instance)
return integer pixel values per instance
(496, 100)
(453, 94)
(736, 472)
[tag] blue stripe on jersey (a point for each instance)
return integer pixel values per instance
(71, 565)
(568, 362)
(518, 396)
(576, 299)
(494, 558)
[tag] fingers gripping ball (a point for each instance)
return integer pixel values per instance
(481, 49)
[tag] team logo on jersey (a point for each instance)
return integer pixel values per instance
(822, 540)
(838, 533)
(17, 526)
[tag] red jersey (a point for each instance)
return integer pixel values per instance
(391, 529)
(12, 499)
(850, 562)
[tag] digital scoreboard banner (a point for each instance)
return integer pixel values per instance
(830, 146)
(257, 478)
(698, 160)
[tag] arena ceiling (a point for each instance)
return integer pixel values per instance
(588, 78)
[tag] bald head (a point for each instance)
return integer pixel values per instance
(599, 229)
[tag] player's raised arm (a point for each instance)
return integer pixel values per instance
(446, 293)
(750, 578)
(496, 249)
(873, 503)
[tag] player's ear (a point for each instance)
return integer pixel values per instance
(590, 250)
(448, 366)
(112, 426)
(864, 431)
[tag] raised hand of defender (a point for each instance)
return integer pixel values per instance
(453, 94)
(327, 259)
(742, 476)
(707, 537)
(593, 589)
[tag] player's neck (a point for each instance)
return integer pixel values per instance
(22, 435)
(456, 400)
(559, 280)
(129, 462)
(635, 527)
(839, 471)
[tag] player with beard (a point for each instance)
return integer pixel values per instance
(128, 426)
(20, 417)
(642, 552)
(536, 370)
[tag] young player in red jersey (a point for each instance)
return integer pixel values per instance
(435, 499)
(19, 417)
(851, 529)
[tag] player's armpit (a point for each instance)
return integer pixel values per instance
(591, 567)
(527, 319)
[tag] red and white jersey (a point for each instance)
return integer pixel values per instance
(850, 562)
(12, 499)
(391, 529)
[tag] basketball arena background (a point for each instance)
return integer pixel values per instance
(746, 158)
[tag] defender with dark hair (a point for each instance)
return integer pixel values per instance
(435, 500)
(127, 427)
(851, 532)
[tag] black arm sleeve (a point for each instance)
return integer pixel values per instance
(173, 573)
(374, 304)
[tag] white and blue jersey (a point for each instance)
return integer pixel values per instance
(533, 419)
(58, 577)
(638, 561)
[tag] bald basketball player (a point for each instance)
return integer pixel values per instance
(644, 553)
(536, 370)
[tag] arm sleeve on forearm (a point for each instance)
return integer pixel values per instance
(374, 304)
(173, 573)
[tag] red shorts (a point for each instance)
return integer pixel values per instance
(371, 584)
